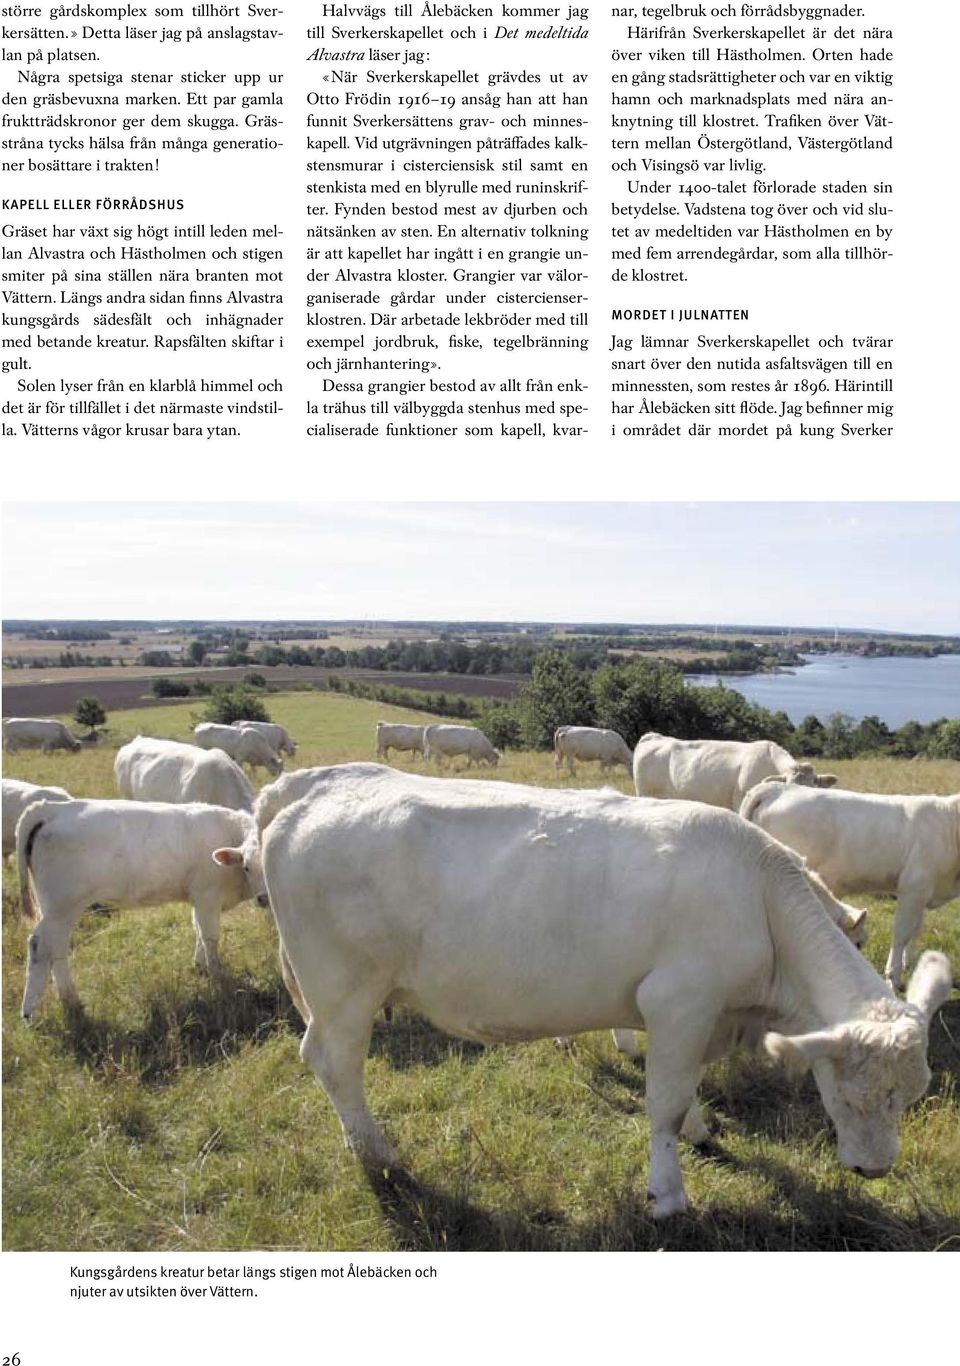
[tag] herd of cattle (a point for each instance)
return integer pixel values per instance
(705, 910)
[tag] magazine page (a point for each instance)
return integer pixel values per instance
(544, 411)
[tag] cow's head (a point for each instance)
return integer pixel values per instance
(246, 858)
(868, 1070)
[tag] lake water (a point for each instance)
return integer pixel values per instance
(895, 689)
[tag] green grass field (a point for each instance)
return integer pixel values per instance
(175, 1113)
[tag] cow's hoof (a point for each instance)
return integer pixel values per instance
(666, 1205)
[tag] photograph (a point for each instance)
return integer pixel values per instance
(481, 877)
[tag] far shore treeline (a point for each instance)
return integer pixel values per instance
(499, 650)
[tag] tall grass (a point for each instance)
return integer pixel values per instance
(174, 1113)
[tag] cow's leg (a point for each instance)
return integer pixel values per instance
(694, 1127)
(293, 986)
(206, 923)
(335, 1046)
(913, 897)
(626, 1042)
(679, 1026)
(47, 950)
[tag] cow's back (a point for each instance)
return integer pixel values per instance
(484, 910)
(856, 841)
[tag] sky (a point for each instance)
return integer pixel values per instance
(881, 566)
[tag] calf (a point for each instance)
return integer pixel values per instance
(74, 854)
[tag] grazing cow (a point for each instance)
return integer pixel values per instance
(399, 737)
(292, 787)
(243, 746)
(588, 743)
(149, 770)
(276, 736)
(861, 842)
(17, 796)
(504, 912)
(35, 732)
(73, 854)
(444, 742)
(718, 772)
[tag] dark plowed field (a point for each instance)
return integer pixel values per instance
(49, 699)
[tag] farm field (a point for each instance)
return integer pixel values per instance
(129, 689)
(175, 1113)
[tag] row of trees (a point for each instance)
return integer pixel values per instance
(643, 695)
(484, 658)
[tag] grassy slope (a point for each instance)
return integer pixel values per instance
(177, 1114)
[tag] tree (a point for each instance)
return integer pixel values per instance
(239, 703)
(89, 712)
(909, 740)
(170, 687)
(196, 652)
(810, 736)
(644, 695)
(946, 740)
(871, 735)
(838, 741)
(500, 723)
(557, 695)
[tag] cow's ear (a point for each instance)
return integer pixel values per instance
(826, 780)
(930, 984)
(855, 927)
(798, 1051)
(228, 858)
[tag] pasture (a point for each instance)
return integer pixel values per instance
(175, 1113)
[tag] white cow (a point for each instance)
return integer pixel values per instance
(17, 796)
(243, 746)
(149, 770)
(276, 736)
(36, 732)
(444, 742)
(589, 743)
(400, 737)
(73, 854)
(292, 787)
(718, 772)
(505, 912)
(860, 842)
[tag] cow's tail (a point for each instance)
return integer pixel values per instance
(28, 827)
